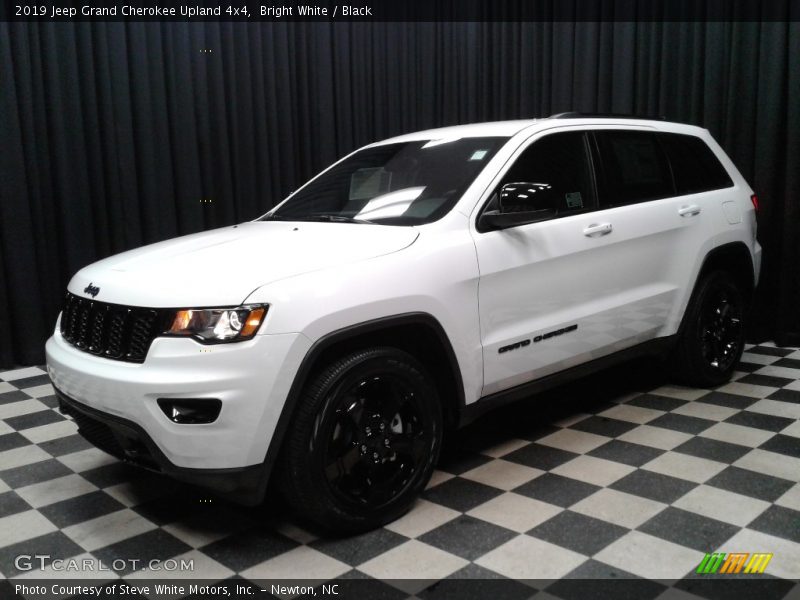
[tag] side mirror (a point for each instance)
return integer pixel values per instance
(520, 203)
(491, 220)
(525, 196)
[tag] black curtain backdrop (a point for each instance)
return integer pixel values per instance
(113, 134)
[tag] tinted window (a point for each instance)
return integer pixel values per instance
(558, 166)
(694, 166)
(634, 167)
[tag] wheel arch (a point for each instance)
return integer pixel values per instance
(689, 363)
(418, 333)
(735, 258)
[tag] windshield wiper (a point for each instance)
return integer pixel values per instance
(326, 218)
(334, 219)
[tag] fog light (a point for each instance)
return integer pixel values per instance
(190, 411)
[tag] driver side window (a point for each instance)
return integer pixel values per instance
(557, 171)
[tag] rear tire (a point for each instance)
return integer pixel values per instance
(711, 339)
(363, 443)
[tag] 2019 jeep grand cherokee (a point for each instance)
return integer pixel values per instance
(408, 288)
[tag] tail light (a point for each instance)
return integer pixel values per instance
(754, 200)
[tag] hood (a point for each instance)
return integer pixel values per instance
(223, 266)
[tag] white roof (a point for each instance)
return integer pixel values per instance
(510, 128)
(488, 129)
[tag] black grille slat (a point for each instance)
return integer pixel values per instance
(70, 319)
(109, 330)
(115, 332)
(141, 334)
(98, 327)
(84, 314)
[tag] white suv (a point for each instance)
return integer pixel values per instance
(408, 288)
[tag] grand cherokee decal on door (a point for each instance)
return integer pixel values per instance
(547, 336)
(538, 338)
(514, 346)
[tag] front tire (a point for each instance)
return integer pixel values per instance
(363, 443)
(712, 335)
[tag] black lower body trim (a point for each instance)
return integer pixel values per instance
(130, 443)
(656, 347)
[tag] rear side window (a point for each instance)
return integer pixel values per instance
(634, 168)
(694, 166)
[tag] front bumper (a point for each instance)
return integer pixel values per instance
(252, 379)
(130, 443)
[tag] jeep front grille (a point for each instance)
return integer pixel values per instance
(110, 330)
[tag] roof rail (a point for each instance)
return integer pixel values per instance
(583, 115)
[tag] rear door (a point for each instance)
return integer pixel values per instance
(654, 220)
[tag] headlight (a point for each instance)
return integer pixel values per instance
(217, 325)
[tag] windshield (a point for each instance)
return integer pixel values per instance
(407, 183)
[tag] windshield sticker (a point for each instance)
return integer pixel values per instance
(478, 154)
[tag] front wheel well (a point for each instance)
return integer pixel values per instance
(420, 336)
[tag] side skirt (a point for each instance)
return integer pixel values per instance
(655, 347)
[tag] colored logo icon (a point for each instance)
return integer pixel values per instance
(734, 562)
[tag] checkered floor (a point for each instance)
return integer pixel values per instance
(618, 475)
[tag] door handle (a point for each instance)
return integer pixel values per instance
(689, 211)
(597, 229)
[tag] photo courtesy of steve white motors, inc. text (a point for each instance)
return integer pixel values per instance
(187, 11)
(110, 590)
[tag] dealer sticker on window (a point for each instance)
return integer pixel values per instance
(574, 200)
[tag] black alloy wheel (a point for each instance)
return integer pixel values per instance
(364, 441)
(711, 337)
(721, 328)
(377, 439)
